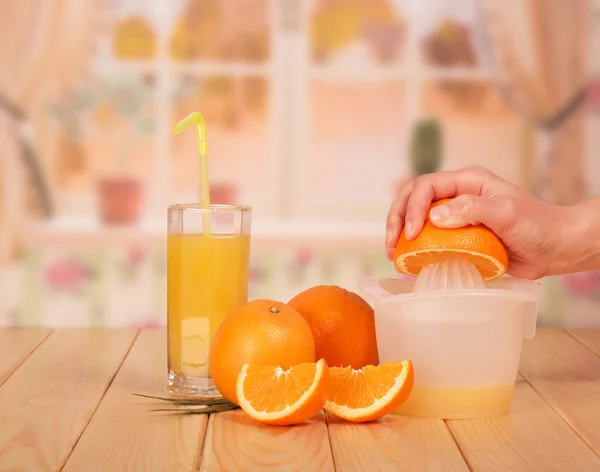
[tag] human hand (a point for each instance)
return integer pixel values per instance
(530, 229)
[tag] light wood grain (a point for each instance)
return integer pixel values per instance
(235, 443)
(49, 400)
(55, 398)
(590, 338)
(16, 344)
(394, 443)
(532, 438)
(124, 435)
(567, 375)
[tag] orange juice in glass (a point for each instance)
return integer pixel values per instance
(207, 277)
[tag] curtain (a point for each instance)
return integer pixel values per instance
(538, 49)
(43, 44)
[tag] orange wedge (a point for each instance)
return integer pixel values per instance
(275, 396)
(369, 393)
(476, 244)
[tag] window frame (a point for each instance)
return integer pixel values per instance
(289, 71)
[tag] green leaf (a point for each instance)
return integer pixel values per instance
(187, 401)
(197, 411)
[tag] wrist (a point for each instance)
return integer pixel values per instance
(580, 238)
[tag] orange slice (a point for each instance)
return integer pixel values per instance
(369, 393)
(275, 396)
(476, 244)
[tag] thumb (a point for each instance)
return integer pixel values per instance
(471, 210)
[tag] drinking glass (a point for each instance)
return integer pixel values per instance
(208, 252)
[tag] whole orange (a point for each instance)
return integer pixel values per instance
(263, 332)
(342, 324)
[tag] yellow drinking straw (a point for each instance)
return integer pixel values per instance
(198, 120)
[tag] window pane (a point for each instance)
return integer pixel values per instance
(356, 149)
(133, 36)
(478, 127)
(235, 110)
(447, 32)
(221, 30)
(362, 32)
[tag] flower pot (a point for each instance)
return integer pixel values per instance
(119, 200)
(223, 193)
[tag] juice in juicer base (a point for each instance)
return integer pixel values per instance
(458, 402)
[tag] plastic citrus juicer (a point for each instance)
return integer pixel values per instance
(462, 334)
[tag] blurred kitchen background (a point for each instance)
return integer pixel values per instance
(317, 112)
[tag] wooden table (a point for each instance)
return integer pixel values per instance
(66, 403)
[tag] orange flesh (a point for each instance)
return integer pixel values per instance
(371, 392)
(275, 396)
(358, 389)
(485, 266)
(272, 389)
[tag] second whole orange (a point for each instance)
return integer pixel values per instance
(342, 324)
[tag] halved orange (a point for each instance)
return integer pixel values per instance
(369, 393)
(275, 396)
(476, 244)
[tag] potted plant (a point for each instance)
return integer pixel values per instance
(426, 146)
(120, 195)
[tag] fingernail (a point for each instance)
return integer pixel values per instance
(388, 237)
(440, 213)
(408, 229)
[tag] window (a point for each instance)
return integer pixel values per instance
(310, 105)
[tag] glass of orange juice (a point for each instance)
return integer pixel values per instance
(208, 253)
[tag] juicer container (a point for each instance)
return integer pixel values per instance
(464, 343)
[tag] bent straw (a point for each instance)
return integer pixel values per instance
(197, 119)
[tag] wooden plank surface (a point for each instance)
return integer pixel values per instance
(49, 400)
(394, 443)
(567, 375)
(124, 435)
(235, 443)
(55, 398)
(16, 344)
(532, 438)
(590, 338)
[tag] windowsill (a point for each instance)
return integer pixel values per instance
(83, 232)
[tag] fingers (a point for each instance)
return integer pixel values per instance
(495, 213)
(395, 219)
(436, 186)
